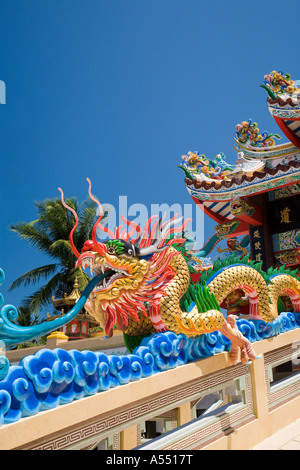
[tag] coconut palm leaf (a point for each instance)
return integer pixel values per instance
(43, 296)
(25, 317)
(33, 237)
(33, 276)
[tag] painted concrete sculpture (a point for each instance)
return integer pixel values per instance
(144, 284)
(50, 378)
(148, 287)
(148, 270)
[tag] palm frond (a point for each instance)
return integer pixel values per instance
(33, 276)
(25, 317)
(32, 236)
(54, 219)
(43, 296)
(62, 251)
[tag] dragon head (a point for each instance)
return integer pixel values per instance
(136, 269)
(118, 259)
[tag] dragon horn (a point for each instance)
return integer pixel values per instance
(74, 249)
(99, 246)
(160, 235)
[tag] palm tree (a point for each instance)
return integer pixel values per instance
(49, 233)
(25, 317)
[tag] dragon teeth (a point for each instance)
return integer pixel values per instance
(87, 262)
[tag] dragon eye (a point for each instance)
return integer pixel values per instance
(119, 247)
(115, 247)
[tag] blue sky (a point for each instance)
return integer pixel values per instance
(118, 90)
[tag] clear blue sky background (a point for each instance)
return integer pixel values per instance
(118, 90)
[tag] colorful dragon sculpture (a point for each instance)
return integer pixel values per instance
(146, 286)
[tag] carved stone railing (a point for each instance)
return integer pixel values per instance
(208, 404)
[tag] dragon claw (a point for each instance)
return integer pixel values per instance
(238, 342)
(228, 329)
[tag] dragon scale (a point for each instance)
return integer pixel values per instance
(173, 317)
(263, 298)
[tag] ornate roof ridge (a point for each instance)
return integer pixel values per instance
(239, 179)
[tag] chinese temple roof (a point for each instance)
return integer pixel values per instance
(262, 164)
(68, 300)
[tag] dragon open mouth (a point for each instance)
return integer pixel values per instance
(111, 273)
